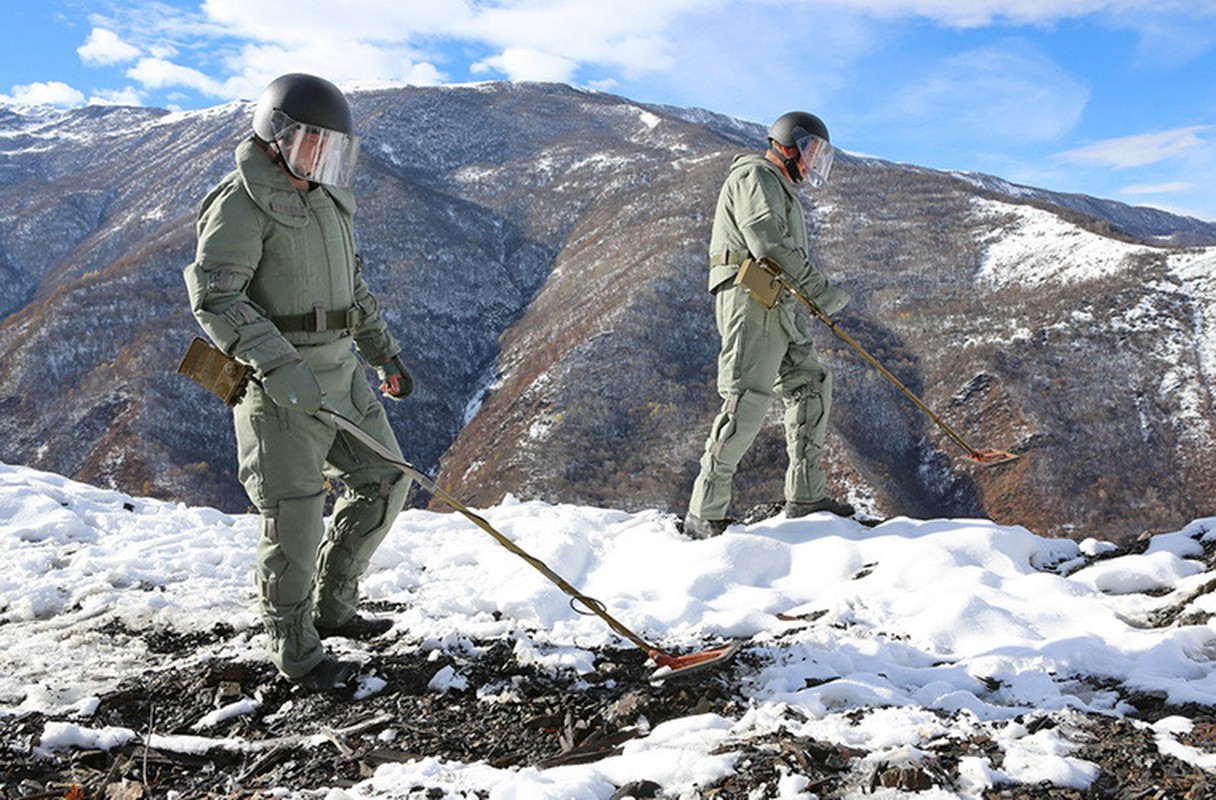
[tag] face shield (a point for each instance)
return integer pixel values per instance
(815, 156)
(316, 154)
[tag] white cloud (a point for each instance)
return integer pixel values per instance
(105, 48)
(157, 73)
(48, 93)
(117, 97)
(395, 41)
(527, 64)
(374, 20)
(340, 61)
(1159, 188)
(981, 13)
(1139, 150)
(1005, 93)
(634, 35)
(529, 39)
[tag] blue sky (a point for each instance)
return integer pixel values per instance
(1112, 98)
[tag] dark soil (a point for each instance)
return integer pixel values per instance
(538, 719)
(549, 721)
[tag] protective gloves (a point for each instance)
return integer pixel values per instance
(293, 386)
(395, 380)
(831, 299)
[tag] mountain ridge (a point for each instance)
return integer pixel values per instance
(546, 278)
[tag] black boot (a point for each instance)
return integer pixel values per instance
(697, 528)
(794, 509)
(327, 676)
(357, 627)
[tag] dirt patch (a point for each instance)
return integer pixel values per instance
(510, 715)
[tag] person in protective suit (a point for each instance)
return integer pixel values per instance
(277, 284)
(767, 350)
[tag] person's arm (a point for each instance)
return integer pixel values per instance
(226, 258)
(376, 343)
(767, 237)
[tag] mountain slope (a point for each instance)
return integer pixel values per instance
(540, 251)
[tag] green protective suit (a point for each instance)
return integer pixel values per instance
(764, 351)
(275, 282)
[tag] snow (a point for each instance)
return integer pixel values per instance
(1036, 246)
(1195, 270)
(935, 628)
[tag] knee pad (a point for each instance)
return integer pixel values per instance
(369, 509)
(287, 552)
(818, 383)
(741, 416)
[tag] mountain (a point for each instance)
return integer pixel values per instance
(540, 252)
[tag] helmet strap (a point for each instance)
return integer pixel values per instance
(790, 164)
(276, 158)
(276, 154)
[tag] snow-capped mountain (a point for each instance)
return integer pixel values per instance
(540, 251)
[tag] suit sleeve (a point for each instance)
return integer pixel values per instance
(227, 256)
(758, 201)
(372, 337)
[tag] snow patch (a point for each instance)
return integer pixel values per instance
(883, 639)
(1034, 246)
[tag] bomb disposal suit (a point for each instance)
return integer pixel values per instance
(276, 284)
(766, 350)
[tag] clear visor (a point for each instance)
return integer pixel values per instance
(815, 156)
(316, 154)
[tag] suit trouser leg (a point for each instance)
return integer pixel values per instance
(754, 342)
(807, 405)
(805, 386)
(363, 515)
(730, 436)
(281, 457)
(290, 535)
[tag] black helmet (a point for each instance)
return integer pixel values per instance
(807, 134)
(785, 129)
(309, 122)
(303, 98)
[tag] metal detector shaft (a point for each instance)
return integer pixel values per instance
(987, 456)
(595, 606)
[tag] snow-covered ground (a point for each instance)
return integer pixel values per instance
(941, 628)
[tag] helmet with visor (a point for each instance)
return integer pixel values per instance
(807, 134)
(309, 122)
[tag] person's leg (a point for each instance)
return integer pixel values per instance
(806, 391)
(805, 387)
(281, 455)
(375, 492)
(753, 342)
